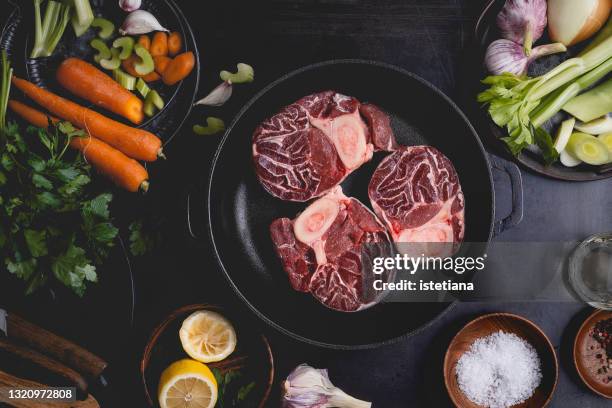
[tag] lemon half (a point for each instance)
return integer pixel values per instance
(207, 336)
(187, 384)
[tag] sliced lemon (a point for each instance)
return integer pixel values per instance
(187, 384)
(207, 336)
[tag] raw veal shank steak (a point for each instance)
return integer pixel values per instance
(310, 146)
(416, 191)
(328, 249)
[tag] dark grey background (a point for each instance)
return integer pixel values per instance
(428, 37)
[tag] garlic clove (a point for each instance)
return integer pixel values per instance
(308, 387)
(140, 22)
(217, 96)
(130, 5)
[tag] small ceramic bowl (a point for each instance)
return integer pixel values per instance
(253, 355)
(585, 356)
(488, 324)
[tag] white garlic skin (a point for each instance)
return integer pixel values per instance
(130, 5)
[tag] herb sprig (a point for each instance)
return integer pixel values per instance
(52, 224)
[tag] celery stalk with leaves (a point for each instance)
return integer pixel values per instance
(513, 101)
(49, 30)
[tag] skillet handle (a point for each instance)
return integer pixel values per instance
(516, 185)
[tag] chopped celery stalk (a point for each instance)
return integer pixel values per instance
(568, 160)
(213, 125)
(142, 87)
(114, 62)
(245, 73)
(152, 101)
(588, 148)
(145, 65)
(83, 16)
(49, 31)
(156, 99)
(597, 126)
(606, 138)
(107, 28)
(564, 133)
(124, 79)
(126, 44)
(148, 108)
(591, 104)
(103, 51)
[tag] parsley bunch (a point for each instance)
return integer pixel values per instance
(52, 223)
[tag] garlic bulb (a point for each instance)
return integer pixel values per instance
(507, 56)
(140, 22)
(523, 21)
(308, 387)
(130, 5)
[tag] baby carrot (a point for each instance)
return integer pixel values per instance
(159, 44)
(175, 43)
(179, 68)
(161, 63)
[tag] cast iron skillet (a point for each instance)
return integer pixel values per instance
(18, 36)
(240, 211)
(485, 32)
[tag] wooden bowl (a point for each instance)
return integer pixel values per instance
(509, 323)
(584, 354)
(253, 355)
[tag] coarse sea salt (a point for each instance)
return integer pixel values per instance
(499, 371)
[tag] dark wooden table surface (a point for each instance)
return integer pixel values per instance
(428, 37)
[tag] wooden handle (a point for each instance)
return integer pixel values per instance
(63, 350)
(8, 381)
(68, 375)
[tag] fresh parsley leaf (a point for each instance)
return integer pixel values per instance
(36, 242)
(7, 162)
(48, 199)
(72, 267)
(244, 391)
(98, 206)
(41, 181)
(140, 242)
(75, 185)
(104, 233)
(23, 269)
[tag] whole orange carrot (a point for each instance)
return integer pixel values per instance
(125, 172)
(84, 80)
(136, 143)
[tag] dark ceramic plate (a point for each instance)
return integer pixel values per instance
(17, 40)
(485, 32)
